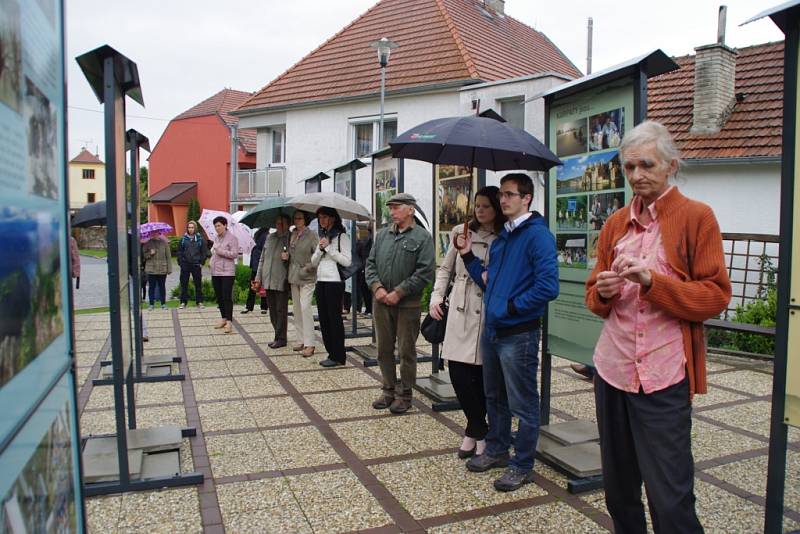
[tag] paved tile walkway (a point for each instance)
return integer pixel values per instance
(286, 446)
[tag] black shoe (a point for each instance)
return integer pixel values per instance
(484, 462)
(263, 312)
(276, 344)
(466, 454)
(243, 312)
(513, 479)
(327, 362)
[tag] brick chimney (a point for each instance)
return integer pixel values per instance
(497, 6)
(714, 82)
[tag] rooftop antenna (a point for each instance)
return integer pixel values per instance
(589, 29)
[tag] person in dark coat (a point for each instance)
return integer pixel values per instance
(192, 254)
(255, 255)
(363, 246)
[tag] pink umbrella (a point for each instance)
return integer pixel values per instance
(240, 231)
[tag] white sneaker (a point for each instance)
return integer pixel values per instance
(182, 306)
(201, 305)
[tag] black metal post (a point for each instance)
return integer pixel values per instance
(114, 104)
(776, 466)
(354, 278)
(134, 251)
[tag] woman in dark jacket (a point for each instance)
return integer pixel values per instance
(255, 255)
(192, 254)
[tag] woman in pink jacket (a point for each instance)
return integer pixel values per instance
(223, 271)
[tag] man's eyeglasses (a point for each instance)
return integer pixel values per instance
(508, 195)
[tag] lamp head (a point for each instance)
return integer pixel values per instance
(384, 47)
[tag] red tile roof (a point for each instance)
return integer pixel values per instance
(754, 126)
(86, 157)
(221, 104)
(440, 41)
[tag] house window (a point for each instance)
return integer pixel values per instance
(513, 111)
(363, 143)
(88, 174)
(277, 146)
(366, 136)
(90, 198)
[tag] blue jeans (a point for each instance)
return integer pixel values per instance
(510, 365)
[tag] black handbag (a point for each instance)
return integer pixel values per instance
(433, 330)
(355, 264)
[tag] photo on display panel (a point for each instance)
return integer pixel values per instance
(42, 498)
(385, 188)
(593, 238)
(606, 130)
(41, 124)
(453, 198)
(30, 288)
(10, 55)
(602, 206)
(592, 172)
(571, 138)
(571, 213)
(571, 250)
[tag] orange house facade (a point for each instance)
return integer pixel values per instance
(192, 159)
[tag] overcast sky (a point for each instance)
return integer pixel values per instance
(187, 50)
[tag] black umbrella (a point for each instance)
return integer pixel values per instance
(93, 214)
(473, 141)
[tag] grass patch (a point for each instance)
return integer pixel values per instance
(94, 252)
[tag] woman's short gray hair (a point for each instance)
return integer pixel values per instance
(651, 132)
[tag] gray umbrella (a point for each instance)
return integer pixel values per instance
(93, 214)
(347, 208)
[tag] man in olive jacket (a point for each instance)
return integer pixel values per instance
(400, 265)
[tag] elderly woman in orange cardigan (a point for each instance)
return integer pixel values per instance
(660, 273)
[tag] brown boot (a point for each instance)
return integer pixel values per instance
(400, 406)
(298, 347)
(382, 402)
(307, 352)
(221, 324)
(227, 328)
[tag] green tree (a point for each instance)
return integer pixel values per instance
(193, 213)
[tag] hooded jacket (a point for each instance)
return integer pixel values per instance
(192, 250)
(522, 277)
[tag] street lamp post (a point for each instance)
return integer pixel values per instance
(384, 47)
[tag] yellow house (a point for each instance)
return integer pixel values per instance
(87, 180)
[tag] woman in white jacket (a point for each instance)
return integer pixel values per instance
(333, 252)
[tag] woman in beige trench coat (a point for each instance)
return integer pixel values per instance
(465, 318)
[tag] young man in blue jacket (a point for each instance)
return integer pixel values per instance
(521, 278)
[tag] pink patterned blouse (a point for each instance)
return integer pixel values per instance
(641, 346)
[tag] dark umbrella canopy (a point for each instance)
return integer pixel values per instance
(473, 141)
(93, 214)
(266, 213)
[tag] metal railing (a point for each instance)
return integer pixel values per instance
(257, 184)
(751, 260)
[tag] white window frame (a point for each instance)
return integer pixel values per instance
(282, 132)
(514, 98)
(375, 120)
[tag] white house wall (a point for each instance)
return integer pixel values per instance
(745, 197)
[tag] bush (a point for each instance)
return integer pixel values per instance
(208, 291)
(425, 299)
(761, 312)
(193, 211)
(174, 241)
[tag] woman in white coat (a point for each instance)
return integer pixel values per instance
(465, 318)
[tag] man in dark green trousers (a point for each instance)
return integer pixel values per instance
(400, 265)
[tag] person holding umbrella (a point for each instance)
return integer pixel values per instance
(519, 281)
(157, 265)
(271, 275)
(302, 277)
(333, 251)
(223, 270)
(465, 318)
(192, 254)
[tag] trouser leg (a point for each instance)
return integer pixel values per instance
(162, 288)
(467, 380)
(519, 357)
(251, 295)
(152, 288)
(197, 275)
(661, 425)
(216, 282)
(622, 480)
(407, 333)
(498, 439)
(278, 304)
(334, 291)
(323, 311)
(385, 321)
(184, 281)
